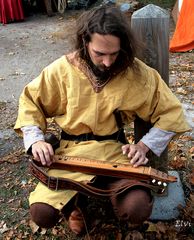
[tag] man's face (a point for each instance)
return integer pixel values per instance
(103, 50)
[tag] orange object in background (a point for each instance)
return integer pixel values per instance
(183, 38)
(11, 10)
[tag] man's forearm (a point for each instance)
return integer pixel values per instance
(31, 134)
(157, 140)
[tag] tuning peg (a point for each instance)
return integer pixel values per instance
(153, 180)
(165, 184)
(159, 183)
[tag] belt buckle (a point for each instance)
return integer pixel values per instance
(55, 181)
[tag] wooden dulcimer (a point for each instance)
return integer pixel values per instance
(97, 167)
(144, 176)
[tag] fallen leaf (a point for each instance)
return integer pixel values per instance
(191, 179)
(118, 236)
(33, 226)
(161, 227)
(12, 157)
(178, 163)
(54, 231)
(130, 139)
(134, 235)
(181, 91)
(152, 228)
(172, 146)
(43, 231)
(3, 227)
(185, 138)
(192, 198)
(191, 150)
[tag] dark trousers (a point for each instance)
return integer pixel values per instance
(133, 205)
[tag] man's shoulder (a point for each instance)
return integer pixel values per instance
(58, 62)
(140, 65)
(142, 68)
(66, 59)
(141, 76)
(142, 71)
(138, 72)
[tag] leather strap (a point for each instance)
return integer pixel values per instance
(56, 183)
(88, 137)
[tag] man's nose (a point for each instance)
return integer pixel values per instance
(107, 61)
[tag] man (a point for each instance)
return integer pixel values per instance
(82, 91)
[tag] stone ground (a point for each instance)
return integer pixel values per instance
(27, 47)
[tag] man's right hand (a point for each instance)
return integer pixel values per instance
(43, 152)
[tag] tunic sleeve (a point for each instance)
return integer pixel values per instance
(42, 98)
(161, 106)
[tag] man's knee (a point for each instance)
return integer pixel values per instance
(44, 215)
(134, 206)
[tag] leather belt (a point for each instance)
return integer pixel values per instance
(55, 183)
(89, 137)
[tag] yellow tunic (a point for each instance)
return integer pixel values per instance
(63, 91)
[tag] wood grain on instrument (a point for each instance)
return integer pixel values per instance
(97, 167)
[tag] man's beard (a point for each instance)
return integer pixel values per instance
(102, 75)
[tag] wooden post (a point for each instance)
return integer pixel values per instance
(48, 5)
(150, 25)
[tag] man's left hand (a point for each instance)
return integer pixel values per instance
(136, 153)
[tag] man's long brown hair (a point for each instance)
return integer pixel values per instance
(106, 20)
